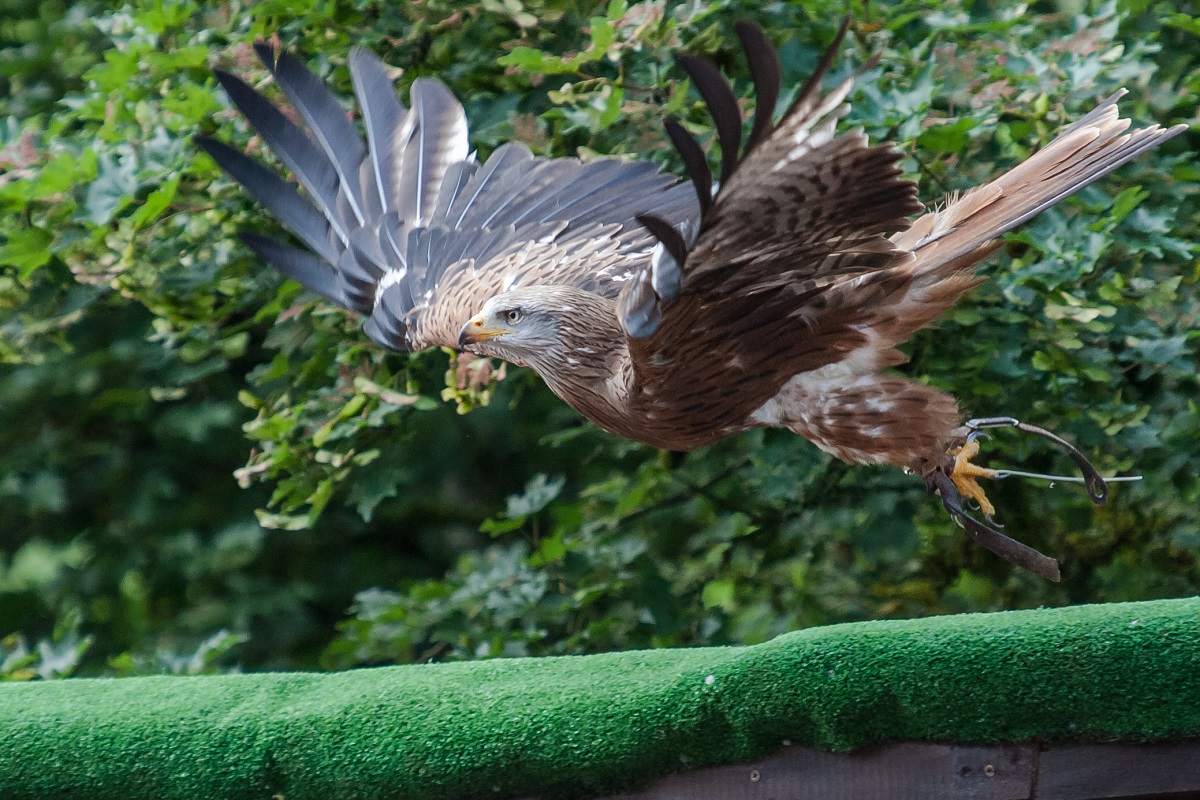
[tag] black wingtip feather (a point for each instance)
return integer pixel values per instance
(301, 266)
(694, 161)
(764, 68)
(722, 105)
(266, 54)
(226, 79)
(279, 196)
(813, 84)
(257, 110)
(668, 234)
(226, 157)
(206, 143)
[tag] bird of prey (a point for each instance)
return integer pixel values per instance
(668, 312)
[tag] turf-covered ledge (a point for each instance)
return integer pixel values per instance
(595, 724)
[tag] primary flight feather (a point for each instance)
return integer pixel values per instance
(657, 309)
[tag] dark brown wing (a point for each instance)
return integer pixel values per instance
(803, 210)
(408, 228)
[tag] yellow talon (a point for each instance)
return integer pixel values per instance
(965, 474)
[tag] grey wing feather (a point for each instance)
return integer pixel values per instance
(440, 140)
(327, 120)
(475, 201)
(294, 148)
(383, 118)
(458, 176)
(386, 327)
(301, 266)
(532, 187)
(280, 197)
(409, 229)
(613, 195)
(639, 307)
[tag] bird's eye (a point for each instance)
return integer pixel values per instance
(513, 316)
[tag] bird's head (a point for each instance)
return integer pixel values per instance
(523, 325)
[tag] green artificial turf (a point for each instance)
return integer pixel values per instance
(593, 724)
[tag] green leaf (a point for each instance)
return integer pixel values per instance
(718, 594)
(156, 202)
(612, 106)
(602, 36)
(1125, 202)
(496, 526)
(1184, 22)
(282, 522)
(249, 400)
(550, 550)
(538, 494)
(112, 189)
(949, 138)
(530, 60)
(27, 249)
(351, 407)
(57, 175)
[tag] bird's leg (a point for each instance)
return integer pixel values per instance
(1096, 486)
(966, 475)
(958, 478)
(1004, 546)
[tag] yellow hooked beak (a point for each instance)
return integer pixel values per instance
(476, 331)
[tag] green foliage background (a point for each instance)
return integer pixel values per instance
(203, 468)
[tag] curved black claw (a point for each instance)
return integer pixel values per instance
(1006, 547)
(975, 435)
(1096, 487)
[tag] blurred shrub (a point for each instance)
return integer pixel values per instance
(202, 467)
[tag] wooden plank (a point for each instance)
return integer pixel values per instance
(923, 771)
(1102, 771)
(899, 771)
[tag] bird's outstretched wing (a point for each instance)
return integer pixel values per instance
(408, 228)
(792, 268)
(791, 294)
(802, 208)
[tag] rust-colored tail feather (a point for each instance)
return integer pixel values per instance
(954, 238)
